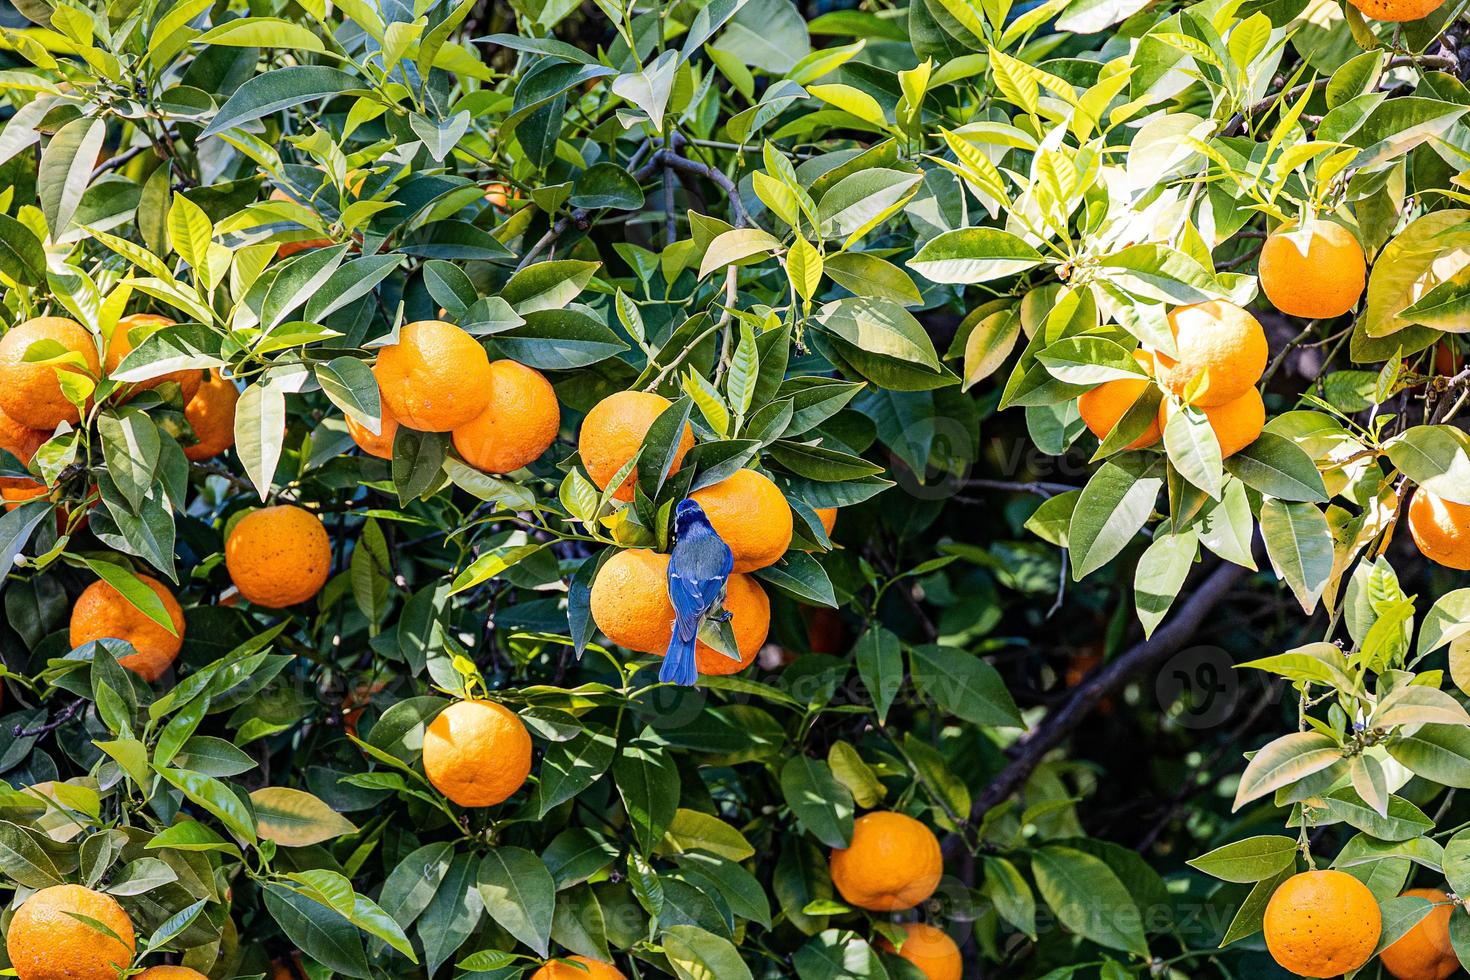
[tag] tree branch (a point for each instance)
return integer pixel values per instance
(1105, 680)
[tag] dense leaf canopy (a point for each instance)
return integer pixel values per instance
(1121, 341)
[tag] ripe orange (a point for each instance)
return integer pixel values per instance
(47, 942)
(893, 863)
(1322, 923)
(590, 970)
(613, 431)
(929, 949)
(1103, 406)
(288, 249)
(751, 514)
(520, 421)
(498, 195)
(630, 604)
(828, 517)
(380, 445)
(14, 496)
(1322, 276)
(131, 331)
(436, 378)
(477, 753)
(1236, 423)
(211, 414)
(278, 556)
(30, 392)
(21, 442)
(1441, 529)
(1397, 10)
(101, 612)
(1425, 951)
(1215, 337)
(170, 973)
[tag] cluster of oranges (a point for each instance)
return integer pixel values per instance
(1215, 341)
(501, 416)
(1327, 923)
(33, 402)
(892, 864)
(1316, 270)
(630, 596)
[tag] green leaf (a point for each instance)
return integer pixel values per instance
(518, 892)
(822, 804)
(647, 779)
(1114, 505)
(973, 255)
(880, 665)
(281, 88)
(1299, 544)
(1283, 762)
(66, 169)
(696, 954)
(1088, 898)
(1252, 859)
(964, 685)
(293, 818)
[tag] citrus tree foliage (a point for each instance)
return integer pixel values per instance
(843, 247)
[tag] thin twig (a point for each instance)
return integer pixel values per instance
(62, 717)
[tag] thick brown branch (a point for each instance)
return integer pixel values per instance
(1177, 630)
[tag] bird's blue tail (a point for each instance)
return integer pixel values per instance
(679, 666)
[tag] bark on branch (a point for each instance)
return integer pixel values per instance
(1176, 631)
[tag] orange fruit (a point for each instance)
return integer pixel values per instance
(381, 444)
(630, 604)
(170, 973)
(1397, 10)
(1441, 529)
(101, 612)
(519, 422)
(1103, 406)
(1236, 423)
(498, 195)
(17, 495)
(1215, 337)
(211, 414)
(751, 514)
(1425, 951)
(1322, 923)
(47, 942)
(613, 432)
(828, 517)
(30, 393)
(21, 442)
(278, 556)
(436, 378)
(130, 331)
(589, 969)
(893, 863)
(288, 249)
(1321, 276)
(929, 949)
(477, 753)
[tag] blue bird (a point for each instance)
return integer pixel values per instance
(699, 568)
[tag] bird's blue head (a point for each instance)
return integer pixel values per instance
(688, 514)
